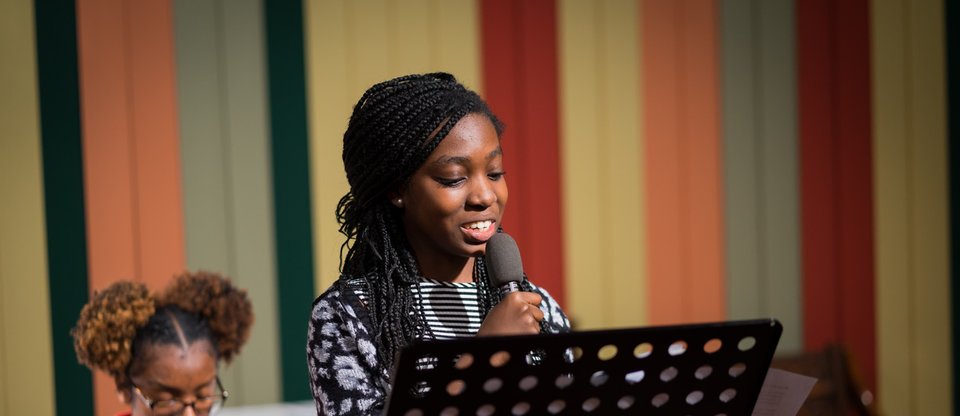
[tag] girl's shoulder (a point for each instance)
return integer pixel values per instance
(343, 296)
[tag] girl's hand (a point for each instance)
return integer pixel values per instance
(517, 314)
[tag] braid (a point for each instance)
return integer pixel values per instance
(394, 127)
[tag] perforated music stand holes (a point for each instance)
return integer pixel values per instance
(464, 362)
(626, 402)
(590, 404)
(677, 348)
(747, 343)
(712, 346)
(599, 378)
(528, 383)
(668, 374)
(492, 385)
(486, 410)
(634, 377)
(426, 362)
(534, 357)
(607, 352)
(728, 395)
(582, 374)
(660, 400)
(420, 389)
(520, 409)
(703, 372)
(455, 387)
(737, 369)
(499, 359)
(556, 406)
(576, 353)
(563, 381)
(643, 350)
(450, 411)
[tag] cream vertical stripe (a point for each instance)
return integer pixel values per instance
(602, 160)
(760, 164)
(351, 46)
(912, 262)
(225, 153)
(26, 370)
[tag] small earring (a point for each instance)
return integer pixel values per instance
(398, 202)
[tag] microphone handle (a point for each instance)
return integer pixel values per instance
(509, 287)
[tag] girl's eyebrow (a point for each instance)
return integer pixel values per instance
(463, 160)
(177, 391)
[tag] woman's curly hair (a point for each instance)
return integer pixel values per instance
(226, 308)
(103, 337)
(121, 320)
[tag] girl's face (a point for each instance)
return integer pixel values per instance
(455, 200)
(172, 374)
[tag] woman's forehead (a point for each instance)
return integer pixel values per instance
(473, 136)
(172, 365)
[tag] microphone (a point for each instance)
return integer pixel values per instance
(503, 263)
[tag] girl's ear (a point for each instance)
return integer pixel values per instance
(395, 198)
(124, 395)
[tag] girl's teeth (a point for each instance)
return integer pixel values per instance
(481, 225)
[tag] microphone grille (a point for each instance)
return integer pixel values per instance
(503, 260)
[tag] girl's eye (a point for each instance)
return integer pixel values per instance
(495, 176)
(450, 182)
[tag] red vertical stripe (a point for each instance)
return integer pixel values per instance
(836, 177)
(519, 49)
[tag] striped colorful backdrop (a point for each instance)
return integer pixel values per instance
(669, 161)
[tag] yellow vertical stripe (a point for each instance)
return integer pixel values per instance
(602, 160)
(353, 45)
(455, 32)
(329, 104)
(929, 200)
(891, 207)
(913, 305)
(26, 371)
(409, 40)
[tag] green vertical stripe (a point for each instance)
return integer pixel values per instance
(225, 153)
(952, 16)
(63, 193)
(760, 162)
(291, 187)
(741, 170)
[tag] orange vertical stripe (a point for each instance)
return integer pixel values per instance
(131, 149)
(683, 160)
(155, 132)
(701, 120)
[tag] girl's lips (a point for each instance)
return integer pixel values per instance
(477, 235)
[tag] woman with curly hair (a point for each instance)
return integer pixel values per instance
(162, 349)
(427, 191)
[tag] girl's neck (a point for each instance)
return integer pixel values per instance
(458, 271)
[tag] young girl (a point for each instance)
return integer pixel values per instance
(162, 350)
(427, 190)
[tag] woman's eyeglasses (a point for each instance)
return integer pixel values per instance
(206, 405)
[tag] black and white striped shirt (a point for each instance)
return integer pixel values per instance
(451, 310)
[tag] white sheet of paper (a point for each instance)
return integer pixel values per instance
(783, 393)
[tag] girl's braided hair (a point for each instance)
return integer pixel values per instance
(395, 126)
(118, 322)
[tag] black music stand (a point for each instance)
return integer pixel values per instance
(702, 369)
